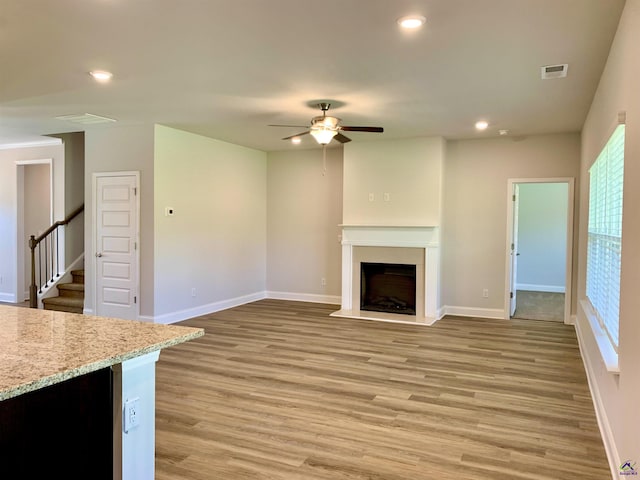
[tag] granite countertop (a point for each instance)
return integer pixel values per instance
(39, 348)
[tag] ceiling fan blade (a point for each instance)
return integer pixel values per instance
(362, 129)
(341, 138)
(296, 135)
(292, 126)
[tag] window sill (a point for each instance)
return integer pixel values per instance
(607, 352)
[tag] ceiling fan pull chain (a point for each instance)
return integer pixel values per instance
(324, 160)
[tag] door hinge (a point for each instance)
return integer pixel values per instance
(135, 246)
(513, 198)
(135, 299)
(510, 294)
(135, 190)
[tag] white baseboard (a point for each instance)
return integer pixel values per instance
(185, 314)
(8, 298)
(305, 297)
(496, 313)
(540, 288)
(601, 415)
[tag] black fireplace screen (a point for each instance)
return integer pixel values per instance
(388, 287)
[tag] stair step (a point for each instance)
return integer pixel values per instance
(78, 276)
(71, 290)
(64, 304)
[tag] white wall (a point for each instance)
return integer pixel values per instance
(304, 211)
(475, 211)
(616, 396)
(216, 240)
(113, 149)
(10, 291)
(409, 170)
(542, 236)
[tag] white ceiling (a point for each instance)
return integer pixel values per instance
(229, 68)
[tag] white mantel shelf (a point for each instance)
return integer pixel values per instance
(424, 237)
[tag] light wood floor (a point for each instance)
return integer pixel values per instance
(280, 390)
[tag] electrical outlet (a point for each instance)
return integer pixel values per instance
(131, 414)
(193, 292)
(323, 282)
(372, 197)
(485, 293)
(387, 197)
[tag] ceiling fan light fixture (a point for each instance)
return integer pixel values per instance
(296, 140)
(323, 134)
(411, 22)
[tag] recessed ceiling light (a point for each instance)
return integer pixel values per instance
(296, 140)
(482, 125)
(503, 132)
(101, 75)
(412, 21)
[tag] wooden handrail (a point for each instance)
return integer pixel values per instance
(34, 243)
(57, 224)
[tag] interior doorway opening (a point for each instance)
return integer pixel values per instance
(539, 249)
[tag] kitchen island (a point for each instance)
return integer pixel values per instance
(77, 393)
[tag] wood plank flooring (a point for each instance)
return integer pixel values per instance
(281, 390)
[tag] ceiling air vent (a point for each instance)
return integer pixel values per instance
(554, 71)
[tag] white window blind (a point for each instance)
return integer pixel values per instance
(605, 234)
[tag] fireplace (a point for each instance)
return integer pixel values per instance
(407, 256)
(388, 287)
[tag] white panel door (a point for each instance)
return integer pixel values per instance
(116, 246)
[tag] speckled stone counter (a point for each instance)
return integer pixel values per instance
(70, 385)
(39, 348)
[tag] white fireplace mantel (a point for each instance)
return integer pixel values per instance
(422, 237)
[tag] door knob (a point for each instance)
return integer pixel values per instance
(98, 254)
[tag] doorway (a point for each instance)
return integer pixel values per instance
(35, 214)
(539, 249)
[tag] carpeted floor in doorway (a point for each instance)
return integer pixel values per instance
(539, 306)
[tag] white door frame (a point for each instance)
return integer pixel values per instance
(21, 275)
(94, 233)
(570, 181)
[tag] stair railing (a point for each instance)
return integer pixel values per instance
(49, 263)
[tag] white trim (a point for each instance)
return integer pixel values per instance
(8, 298)
(608, 439)
(30, 144)
(304, 297)
(511, 182)
(540, 288)
(22, 276)
(188, 313)
(605, 347)
(494, 313)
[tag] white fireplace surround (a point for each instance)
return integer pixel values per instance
(417, 245)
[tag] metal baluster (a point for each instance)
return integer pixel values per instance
(46, 262)
(57, 254)
(40, 267)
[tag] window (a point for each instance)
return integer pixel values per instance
(605, 234)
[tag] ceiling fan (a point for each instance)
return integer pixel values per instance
(324, 128)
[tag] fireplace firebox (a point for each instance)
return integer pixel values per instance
(388, 287)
